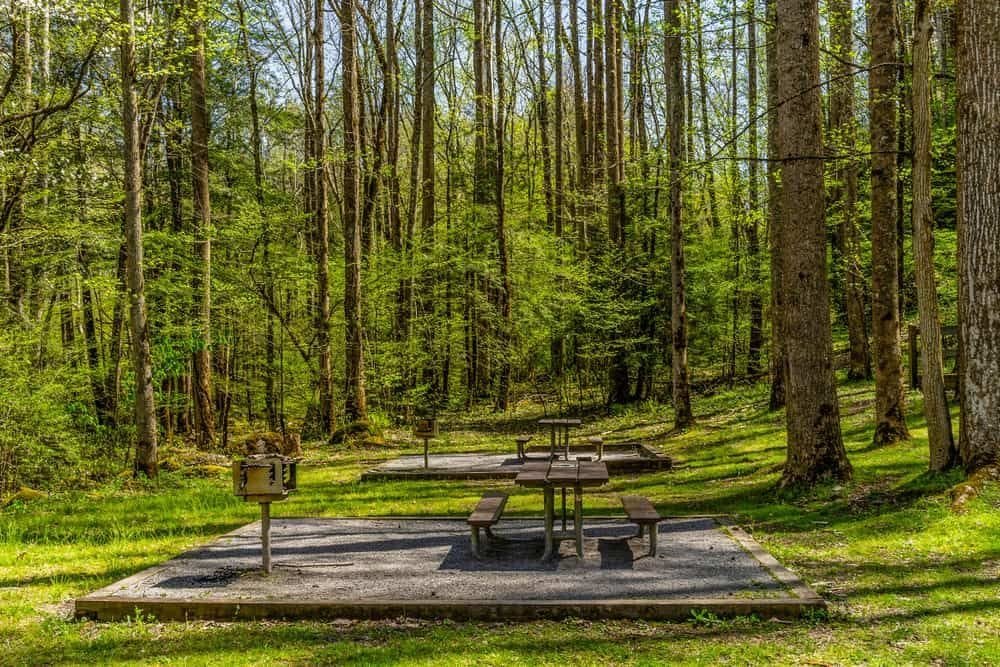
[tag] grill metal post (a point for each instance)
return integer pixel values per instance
(265, 535)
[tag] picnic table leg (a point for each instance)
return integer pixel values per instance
(564, 508)
(566, 443)
(549, 496)
(552, 443)
(578, 520)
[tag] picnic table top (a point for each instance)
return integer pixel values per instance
(560, 422)
(563, 474)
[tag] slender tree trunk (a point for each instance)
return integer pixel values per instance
(202, 279)
(542, 105)
(756, 342)
(146, 461)
(580, 124)
(844, 131)
(427, 123)
(270, 400)
(778, 358)
(355, 404)
(557, 347)
(713, 207)
(943, 454)
(683, 416)
(978, 67)
(321, 225)
(504, 296)
(815, 447)
(890, 422)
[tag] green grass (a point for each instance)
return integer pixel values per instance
(909, 581)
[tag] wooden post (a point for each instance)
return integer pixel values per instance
(265, 535)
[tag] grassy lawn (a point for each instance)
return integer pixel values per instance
(909, 580)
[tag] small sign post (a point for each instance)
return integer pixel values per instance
(425, 429)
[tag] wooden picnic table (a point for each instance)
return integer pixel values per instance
(553, 475)
(562, 426)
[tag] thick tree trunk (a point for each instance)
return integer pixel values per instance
(890, 422)
(355, 404)
(202, 278)
(978, 67)
(778, 359)
(815, 447)
(943, 454)
(145, 411)
(683, 416)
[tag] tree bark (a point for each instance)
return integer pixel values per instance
(557, 346)
(756, 341)
(815, 446)
(978, 156)
(713, 207)
(683, 416)
(321, 226)
(503, 297)
(778, 358)
(202, 279)
(890, 422)
(943, 453)
(844, 130)
(355, 403)
(146, 461)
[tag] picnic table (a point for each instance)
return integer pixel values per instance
(562, 427)
(553, 475)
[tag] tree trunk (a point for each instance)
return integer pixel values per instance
(683, 416)
(145, 411)
(890, 422)
(815, 447)
(427, 122)
(321, 226)
(778, 358)
(844, 131)
(713, 208)
(503, 297)
(978, 67)
(355, 405)
(557, 347)
(202, 278)
(943, 454)
(756, 342)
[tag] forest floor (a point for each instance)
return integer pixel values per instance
(909, 579)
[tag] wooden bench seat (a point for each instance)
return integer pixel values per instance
(642, 513)
(486, 513)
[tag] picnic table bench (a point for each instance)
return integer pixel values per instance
(485, 515)
(642, 513)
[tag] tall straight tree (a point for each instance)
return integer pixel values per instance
(778, 361)
(943, 453)
(815, 445)
(844, 129)
(503, 297)
(978, 67)
(890, 419)
(683, 416)
(146, 461)
(202, 279)
(427, 120)
(355, 405)
(557, 345)
(756, 342)
(321, 224)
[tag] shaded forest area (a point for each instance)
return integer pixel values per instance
(329, 218)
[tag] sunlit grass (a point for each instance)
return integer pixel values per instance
(909, 580)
